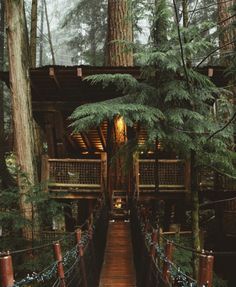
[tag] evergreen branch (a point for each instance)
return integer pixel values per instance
(224, 127)
(181, 47)
(215, 50)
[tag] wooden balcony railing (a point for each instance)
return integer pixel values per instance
(75, 175)
(171, 175)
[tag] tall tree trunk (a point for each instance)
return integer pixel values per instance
(159, 27)
(33, 33)
(227, 31)
(119, 53)
(41, 35)
(49, 34)
(38, 142)
(18, 54)
(6, 178)
(120, 33)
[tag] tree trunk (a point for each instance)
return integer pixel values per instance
(49, 34)
(33, 33)
(227, 31)
(38, 142)
(159, 27)
(6, 178)
(120, 34)
(18, 54)
(119, 53)
(41, 35)
(195, 214)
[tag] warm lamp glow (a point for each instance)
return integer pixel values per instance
(120, 129)
(120, 124)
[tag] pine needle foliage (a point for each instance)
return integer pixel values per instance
(173, 102)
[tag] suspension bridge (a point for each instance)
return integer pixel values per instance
(105, 253)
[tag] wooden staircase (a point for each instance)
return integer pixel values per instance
(118, 267)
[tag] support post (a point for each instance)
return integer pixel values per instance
(6, 271)
(45, 171)
(205, 275)
(168, 254)
(81, 254)
(160, 243)
(60, 268)
(152, 253)
(104, 185)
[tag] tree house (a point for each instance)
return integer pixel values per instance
(75, 166)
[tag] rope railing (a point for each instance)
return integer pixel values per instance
(80, 265)
(153, 257)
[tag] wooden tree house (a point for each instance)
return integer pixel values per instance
(75, 167)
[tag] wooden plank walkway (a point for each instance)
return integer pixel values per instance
(118, 267)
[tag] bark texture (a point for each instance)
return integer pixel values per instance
(119, 53)
(6, 178)
(33, 33)
(120, 34)
(18, 54)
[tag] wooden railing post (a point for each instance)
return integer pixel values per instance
(205, 275)
(152, 253)
(6, 271)
(168, 254)
(104, 173)
(45, 171)
(81, 254)
(60, 268)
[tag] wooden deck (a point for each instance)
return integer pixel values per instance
(118, 267)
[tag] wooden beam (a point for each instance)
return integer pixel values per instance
(49, 131)
(34, 89)
(72, 142)
(60, 134)
(102, 138)
(86, 140)
(52, 75)
(79, 72)
(52, 106)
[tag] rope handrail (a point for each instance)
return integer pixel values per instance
(157, 259)
(7, 253)
(198, 252)
(74, 259)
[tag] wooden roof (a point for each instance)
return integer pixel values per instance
(62, 89)
(66, 83)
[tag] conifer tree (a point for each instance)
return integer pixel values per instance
(173, 103)
(18, 54)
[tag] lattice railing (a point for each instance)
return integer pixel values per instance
(228, 184)
(75, 173)
(171, 174)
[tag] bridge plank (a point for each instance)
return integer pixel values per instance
(118, 267)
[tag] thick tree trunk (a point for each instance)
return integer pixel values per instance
(18, 54)
(119, 53)
(33, 33)
(38, 142)
(6, 178)
(227, 31)
(120, 34)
